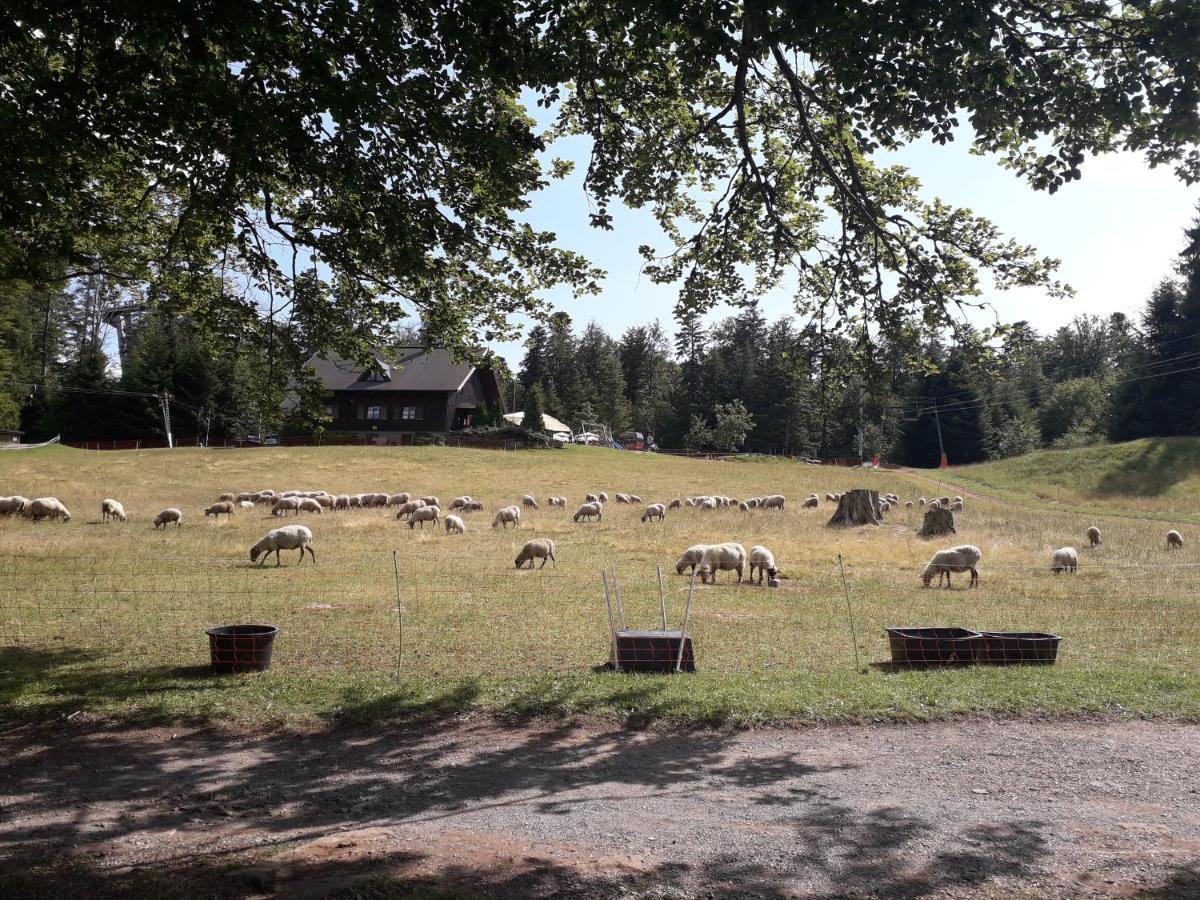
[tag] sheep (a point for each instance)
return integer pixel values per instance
(945, 501)
(401, 498)
(529, 502)
(634, 498)
(230, 497)
(691, 557)
(112, 509)
(764, 560)
(908, 504)
(289, 537)
(281, 506)
(753, 502)
(473, 506)
(456, 503)
(708, 503)
(538, 548)
(655, 511)
(308, 504)
(1064, 559)
(219, 509)
(454, 525)
(690, 501)
(506, 516)
(624, 498)
(290, 494)
(356, 501)
(10, 506)
(811, 502)
(245, 504)
(407, 509)
(589, 511)
(958, 499)
(590, 498)
(557, 501)
(728, 557)
(956, 506)
(423, 515)
(1174, 540)
(341, 501)
(432, 501)
(744, 506)
(829, 497)
(957, 559)
(935, 504)
(46, 508)
(1093, 536)
(325, 500)
(921, 501)
(775, 501)
(602, 496)
(167, 516)
(675, 504)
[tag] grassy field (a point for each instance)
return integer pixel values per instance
(109, 619)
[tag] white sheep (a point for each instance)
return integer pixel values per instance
(593, 510)
(775, 501)
(245, 504)
(764, 560)
(10, 506)
(46, 508)
(727, 557)
(281, 506)
(407, 509)
(908, 504)
(529, 502)
(326, 501)
(675, 504)
(473, 506)
(957, 559)
(921, 501)
(753, 502)
(811, 502)
(225, 507)
(602, 496)
(655, 511)
(1064, 559)
(590, 498)
(167, 516)
(508, 515)
(356, 501)
(1093, 536)
(956, 506)
(1174, 540)
(624, 498)
(557, 501)
(744, 506)
(829, 497)
(709, 503)
(289, 537)
(456, 503)
(432, 501)
(538, 548)
(401, 498)
(455, 525)
(231, 497)
(691, 557)
(341, 501)
(634, 498)
(112, 509)
(308, 504)
(423, 515)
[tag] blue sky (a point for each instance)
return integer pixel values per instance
(1117, 231)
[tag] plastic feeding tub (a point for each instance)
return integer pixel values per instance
(1010, 648)
(241, 648)
(934, 646)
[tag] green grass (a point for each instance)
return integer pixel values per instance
(108, 620)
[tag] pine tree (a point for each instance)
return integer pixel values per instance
(533, 419)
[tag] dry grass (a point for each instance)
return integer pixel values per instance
(110, 617)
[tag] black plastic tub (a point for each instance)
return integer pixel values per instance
(934, 646)
(241, 648)
(1014, 648)
(652, 651)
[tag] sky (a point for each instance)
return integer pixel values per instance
(1117, 231)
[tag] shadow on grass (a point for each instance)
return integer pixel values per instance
(1153, 470)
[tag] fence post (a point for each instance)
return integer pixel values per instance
(849, 611)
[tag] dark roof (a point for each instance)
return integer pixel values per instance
(416, 369)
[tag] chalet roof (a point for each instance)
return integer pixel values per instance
(416, 369)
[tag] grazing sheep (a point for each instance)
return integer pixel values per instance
(400, 498)
(290, 494)
(46, 508)
(655, 511)
(708, 503)
(356, 501)
(590, 498)
(908, 504)
(811, 502)
(691, 557)
(935, 504)
(764, 560)
(1093, 536)
(1174, 540)
(945, 501)
(245, 504)
(557, 501)
(690, 501)
(956, 506)
(958, 499)
(308, 504)
(231, 497)
(459, 502)
(506, 516)
(289, 537)
(407, 509)
(10, 506)
(634, 498)
(538, 548)
(112, 509)
(281, 506)
(744, 506)
(219, 509)
(341, 501)
(602, 496)
(1064, 559)
(728, 557)
(775, 501)
(455, 525)
(753, 502)
(432, 501)
(829, 496)
(529, 502)
(675, 504)
(167, 516)
(921, 501)
(473, 506)
(423, 515)
(957, 559)
(325, 500)
(624, 498)
(593, 510)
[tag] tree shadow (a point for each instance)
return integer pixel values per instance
(1154, 469)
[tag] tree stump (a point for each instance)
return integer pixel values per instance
(937, 522)
(857, 507)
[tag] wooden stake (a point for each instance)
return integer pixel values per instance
(620, 604)
(662, 603)
(612, 628)
(687, 611)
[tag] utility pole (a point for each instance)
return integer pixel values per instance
(164, 400)
(943, 464)
(860, 427)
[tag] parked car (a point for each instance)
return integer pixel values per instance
(587, 437)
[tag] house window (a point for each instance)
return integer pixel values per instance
(330, 410)
(375, 412)
(411, 413)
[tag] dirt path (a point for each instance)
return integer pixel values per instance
(970, 809)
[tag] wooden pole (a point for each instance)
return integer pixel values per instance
(612, 628)
(662, 603)
(849, 611)
(687, 611)
(617, 591)
(399, 614)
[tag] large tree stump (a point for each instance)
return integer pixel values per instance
(937, 521)
(856, 507)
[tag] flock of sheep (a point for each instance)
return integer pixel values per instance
(703, 559)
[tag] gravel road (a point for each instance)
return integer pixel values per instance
(974, 808)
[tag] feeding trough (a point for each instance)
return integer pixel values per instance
(241, 648)
(1010, 648)
(657, 650)
(934, 646)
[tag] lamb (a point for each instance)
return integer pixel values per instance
(281, 506)
(307, 504)
(811, 502)
(10, 506)
(728, 557)
(407, 509)
(401, 498)
(1174, 540)
(46, 508)
(539, 548)
(529, 502)
(423, 515)
(764, 560)
(454, 525)
(1065, 559)
(167, 516)
(112, 509)
(655, 511)
(589, 511)
(1093, 536)
(775, 501)
(431, 501)
(245, 504)
(957, 559)
(219, 509)
(691, 557)
(506, 516)
(456, 503)
(289, 537)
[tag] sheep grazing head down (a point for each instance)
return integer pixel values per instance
(254, 551)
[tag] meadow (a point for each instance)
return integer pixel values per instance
(393, 622)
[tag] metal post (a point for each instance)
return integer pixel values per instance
(941, 448)
(849, 611)
(687, 611)
(399, 614)
(617, 591)
(164, 401)
(662, 603)
(612, 628)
